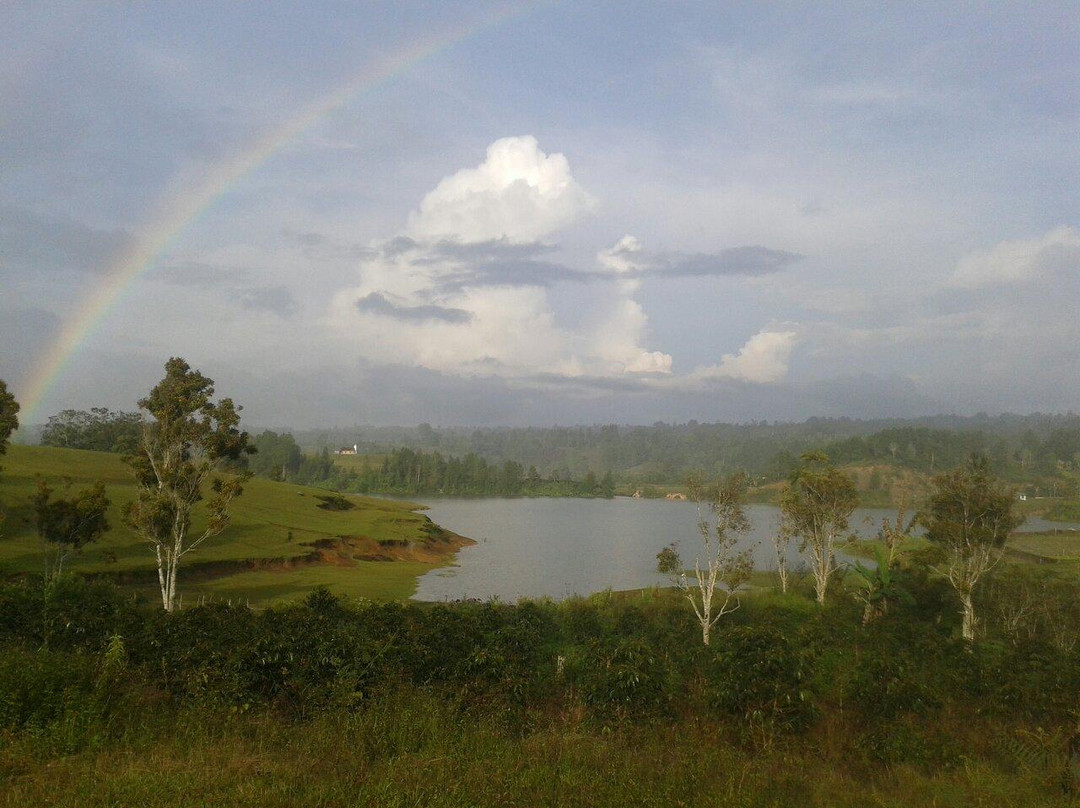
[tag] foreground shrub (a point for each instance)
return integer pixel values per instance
(759, 677)
(623, 678)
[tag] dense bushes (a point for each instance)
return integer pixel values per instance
(762, 678)
(773, 672)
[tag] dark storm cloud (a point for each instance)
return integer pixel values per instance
(32, 242)
(379, 304)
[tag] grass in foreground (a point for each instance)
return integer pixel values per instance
(414, 749)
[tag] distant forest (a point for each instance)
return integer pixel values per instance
(1041, 452)
(1036, 449)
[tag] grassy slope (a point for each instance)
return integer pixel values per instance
(262, 520)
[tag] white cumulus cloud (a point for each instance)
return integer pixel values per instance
(762, 360)
(518, 193)
(1017, 261)
(465, 289)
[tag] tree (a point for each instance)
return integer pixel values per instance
(9, 411)
(66, 525)
(718, 542)
(9, 422)
(970, 516)
(98, 429)
(277, 456)
(781, 540)
(879, 586)
(184, 440)
(814, 508)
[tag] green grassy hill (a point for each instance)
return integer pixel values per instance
(280, 544)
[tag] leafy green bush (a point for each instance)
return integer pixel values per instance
(623, 678)
(761, 678)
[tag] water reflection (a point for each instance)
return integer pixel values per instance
(562, 547)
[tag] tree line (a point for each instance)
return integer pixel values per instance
(1040, 452)
(1037, 450)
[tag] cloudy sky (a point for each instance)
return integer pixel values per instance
(395, 212)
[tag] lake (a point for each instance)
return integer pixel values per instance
(560, 547)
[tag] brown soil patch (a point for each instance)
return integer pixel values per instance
(343, 551)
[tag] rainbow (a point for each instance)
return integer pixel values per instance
(177, 214)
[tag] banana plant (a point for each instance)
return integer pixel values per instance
(879, 586)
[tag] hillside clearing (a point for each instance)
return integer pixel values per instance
(280, 544)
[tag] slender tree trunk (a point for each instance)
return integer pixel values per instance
(821, 573)
(161, 578)
(172, 584)
(968, 612)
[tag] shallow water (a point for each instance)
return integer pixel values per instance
(562, 547)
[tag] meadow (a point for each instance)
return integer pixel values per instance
(280, 544)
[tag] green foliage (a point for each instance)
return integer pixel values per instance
(98, 429)
(276, 456)
(408, 471)
(42, 688)
(898, 672)
(760, 677)
(180, 448)
(9, 416)
(717, 561)
(246, 562)
(518, 704)
(624, 677)
(67, 524)
(969, 510)
(880, 586)
(815, 507)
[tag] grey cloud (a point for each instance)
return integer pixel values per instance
(492, 250)
(321, 247)
(491, 267)
(198, 274)
(33, 242)
(274, 299)
(500, 262)
(397, 394)
(376, 303)
(750, 260)
(513, 272)
(733, 261)
(24, 333)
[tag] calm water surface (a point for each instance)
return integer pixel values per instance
(563, 547)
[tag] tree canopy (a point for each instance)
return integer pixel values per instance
(186, 439)
(9, 412)
(98, 429)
